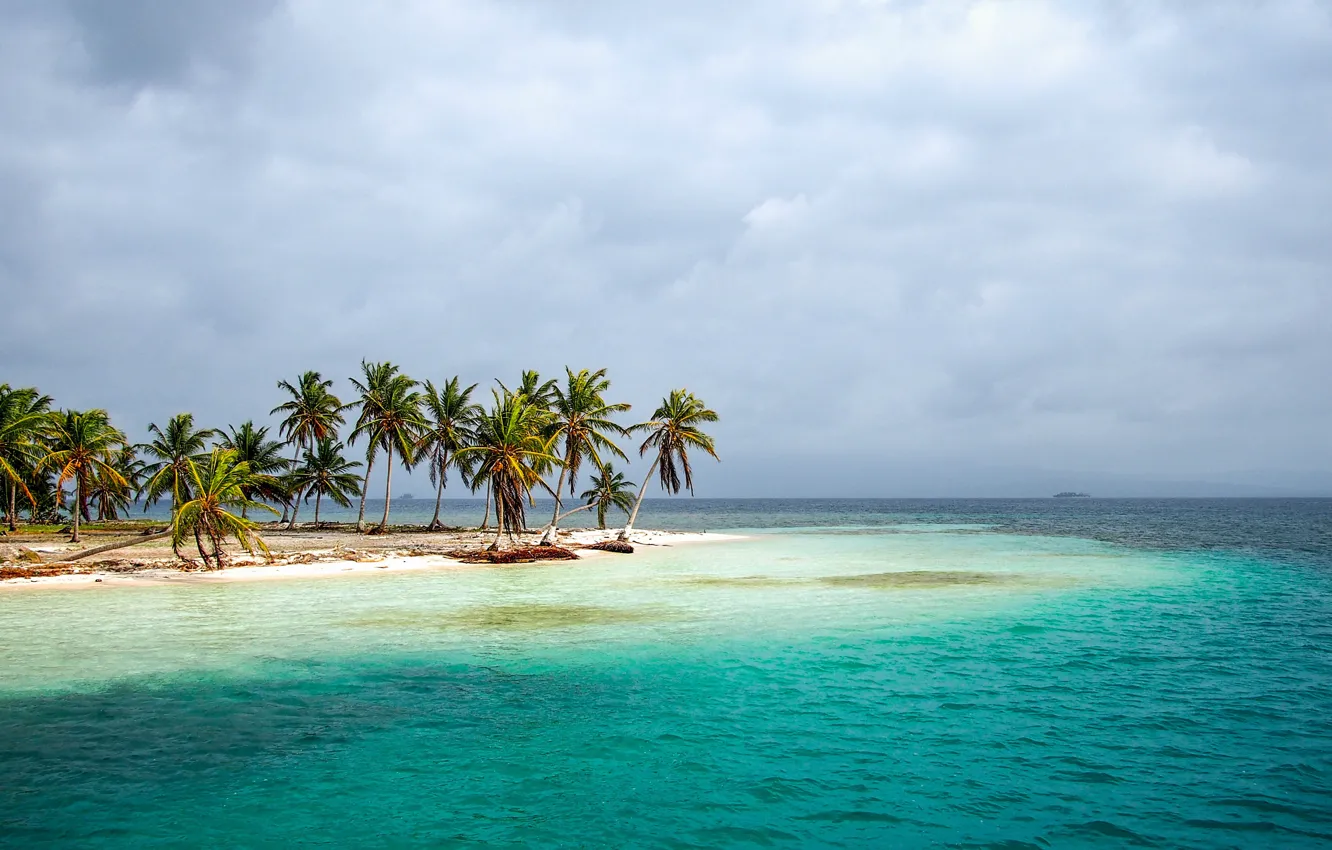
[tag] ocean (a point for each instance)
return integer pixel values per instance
(855, 673)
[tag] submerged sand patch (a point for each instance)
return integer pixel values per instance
(534, 616)
(912, 579)
(741, 581)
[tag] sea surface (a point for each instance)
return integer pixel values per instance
(855, 673)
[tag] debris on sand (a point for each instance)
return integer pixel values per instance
(520, 555)
(613, 546)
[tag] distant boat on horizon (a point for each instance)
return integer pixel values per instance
(1069, 494)
(407, 496)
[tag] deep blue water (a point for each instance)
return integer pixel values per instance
(868, 673)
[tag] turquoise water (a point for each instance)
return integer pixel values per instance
(934, 677)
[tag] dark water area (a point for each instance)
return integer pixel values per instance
(861, 673)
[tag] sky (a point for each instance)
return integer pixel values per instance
(903, 248)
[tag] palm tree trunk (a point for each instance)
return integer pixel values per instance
(388, 484)
(554, 517)
(78, 498)
(552, 532)
(319, 495)
(439, 496)
(629, 526)
(485, 523)
(13, 506)
(295, 497)
(97, 550)
(499, 520)
(365, 487)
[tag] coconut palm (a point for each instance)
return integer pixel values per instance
(395, 423)
(83, 444)
(376, 377)
(217, 485)
(264, 457)
(539, 393)
(510, 450)
(673, 430)
(311, 414)
(609, 490)
(110, 495)
(450, 417)
(23, 425)
(172, 446)
(580, 420)
(325, 472)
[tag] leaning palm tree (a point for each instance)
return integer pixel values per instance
(23, 426)
(376, 376)
(580, 419)
(217, 485)
(311, 414)
(673, 430)
(609, 490)
(450, 417)
(396, 425)
(510, 450)
(325, 472)
(264, 457)
(82, 446)
(172, 447)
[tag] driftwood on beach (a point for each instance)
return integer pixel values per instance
(613, 546)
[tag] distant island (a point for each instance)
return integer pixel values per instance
(1069, 494)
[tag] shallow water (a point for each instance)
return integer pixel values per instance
(938, 681)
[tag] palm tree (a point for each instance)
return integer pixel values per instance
(312, 414)
(450, 416)
(82, 446)
(377, 376)
(109, 494)
(672, 431)
(581, 418)
(395, 424)
(510, 451)
(217, 484)
(326, 472)
(609, 490)
(264, 457)
(539, 393)
(23, 425)
(173, 446)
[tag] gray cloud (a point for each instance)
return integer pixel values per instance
(952, 236)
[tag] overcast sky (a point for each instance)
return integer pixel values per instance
(904, 248)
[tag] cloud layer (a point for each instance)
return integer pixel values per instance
(881, 238)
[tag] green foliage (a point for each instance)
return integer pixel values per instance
(218, 485)
(673, 430)
(325, 472)
(450, 426)
(24, 426)
(263, 456)
(390, 419)
(609, 490)
(511, 448)
(313, 413)
(83, 445)
(172, 447)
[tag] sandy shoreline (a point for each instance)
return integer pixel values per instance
(326, 553)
